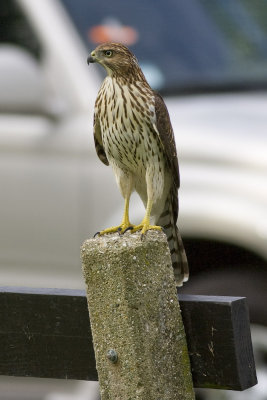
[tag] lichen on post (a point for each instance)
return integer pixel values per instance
(138, 333)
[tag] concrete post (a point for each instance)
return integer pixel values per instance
(138, 334)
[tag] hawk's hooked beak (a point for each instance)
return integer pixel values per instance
(91, 58)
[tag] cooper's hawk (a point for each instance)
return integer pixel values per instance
(133, 133)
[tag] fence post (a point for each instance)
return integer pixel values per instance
(138, 334)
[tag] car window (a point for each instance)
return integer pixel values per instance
(21, 80)
(16, 30)
(183, 44)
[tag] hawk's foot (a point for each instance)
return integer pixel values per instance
(121, 229)
(144, 227)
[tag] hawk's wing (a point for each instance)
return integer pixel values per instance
(98, 141)
(166, 134)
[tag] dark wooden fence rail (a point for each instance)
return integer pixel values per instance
(46, 333)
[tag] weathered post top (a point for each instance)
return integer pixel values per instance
(138, 334)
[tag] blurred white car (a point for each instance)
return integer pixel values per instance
(209, 60)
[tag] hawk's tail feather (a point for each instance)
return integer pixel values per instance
(178, 256)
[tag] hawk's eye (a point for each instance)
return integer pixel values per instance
(108, 53)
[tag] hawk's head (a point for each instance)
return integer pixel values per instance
(116, 59)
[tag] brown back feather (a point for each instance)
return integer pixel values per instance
(98, 142)
(167, 137)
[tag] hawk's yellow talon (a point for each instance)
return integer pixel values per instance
(145, 227)
(125, 224)
(130, 228)
(113, 229)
